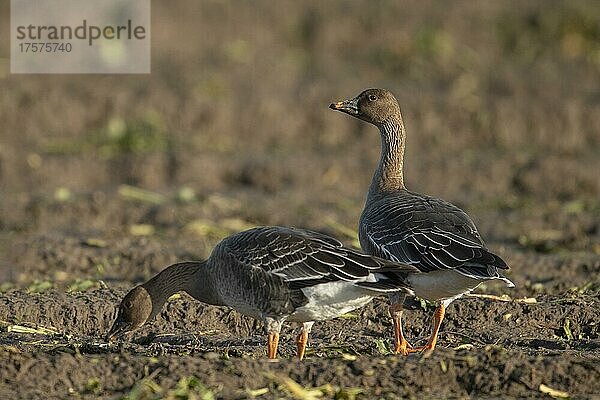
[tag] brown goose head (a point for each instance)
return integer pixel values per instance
(134, 311)
(375, 106)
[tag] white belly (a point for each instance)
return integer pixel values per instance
(330, 300)
(440, 285)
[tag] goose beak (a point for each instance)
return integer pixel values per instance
(119, 327)
(347, 106)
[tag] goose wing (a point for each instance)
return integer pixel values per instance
(428, 233)
(304, 258)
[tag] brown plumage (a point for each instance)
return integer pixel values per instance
(429, 233)
(273, 274)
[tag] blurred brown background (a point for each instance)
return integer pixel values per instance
(501, 102)
(105, 179)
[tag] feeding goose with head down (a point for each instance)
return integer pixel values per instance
(431, 234)
(273, 274)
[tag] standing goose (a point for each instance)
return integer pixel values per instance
(431, 234)
(273, 274)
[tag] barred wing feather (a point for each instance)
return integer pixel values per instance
(428, 233)
(303, 258)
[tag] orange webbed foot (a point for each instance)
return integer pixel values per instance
(403, 348)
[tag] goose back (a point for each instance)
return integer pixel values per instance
(426, 232)
(268, 271)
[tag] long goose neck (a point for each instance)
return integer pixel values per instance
(178, 277)
(389, 175)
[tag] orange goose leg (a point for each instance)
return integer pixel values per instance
(302, 338)
(400, 343)
(438, 317)
(272, 342)
(301, 341)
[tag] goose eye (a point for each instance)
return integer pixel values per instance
(372, 97)
(128, 304)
